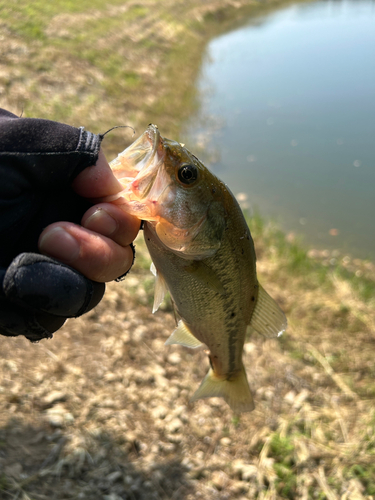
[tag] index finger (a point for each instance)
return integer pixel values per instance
(97, 181)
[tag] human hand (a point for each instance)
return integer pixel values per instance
(45, 180)
(100, 247)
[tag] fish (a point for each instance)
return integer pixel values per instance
(203, 253)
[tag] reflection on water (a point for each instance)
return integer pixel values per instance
(288, 117)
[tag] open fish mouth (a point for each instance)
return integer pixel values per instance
(136, 167)
(139, 168)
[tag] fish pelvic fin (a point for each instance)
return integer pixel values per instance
(182, 336)
(268, 319)
(160, 288)
(236, 392)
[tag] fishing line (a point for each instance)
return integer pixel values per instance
(117, 126)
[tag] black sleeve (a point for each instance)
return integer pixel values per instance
(38, 161)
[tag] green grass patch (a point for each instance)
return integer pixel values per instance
(293, 258)
(287, 482)
(365, 474)
(364, 286)
(4, 482)
(282, 450)
(235, 421)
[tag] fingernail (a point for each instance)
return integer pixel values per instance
(60, 244)
(101, 222)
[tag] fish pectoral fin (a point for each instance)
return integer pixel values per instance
(268, 319)
(153, 269)
(205, 275)
(160, 288)
(236, 392)
(182, 336)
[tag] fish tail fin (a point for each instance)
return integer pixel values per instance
(236, 392)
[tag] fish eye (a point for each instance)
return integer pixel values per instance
(187, 174)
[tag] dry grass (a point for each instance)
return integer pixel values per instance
(102, 410)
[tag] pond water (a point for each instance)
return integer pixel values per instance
(287, 117)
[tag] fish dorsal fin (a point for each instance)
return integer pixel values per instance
(205, 275)
(268, 319)
(160, 288)
(182, 336)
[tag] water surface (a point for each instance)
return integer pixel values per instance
(288, 116)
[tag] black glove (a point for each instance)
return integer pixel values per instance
(38, 161)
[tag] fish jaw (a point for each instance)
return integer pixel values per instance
(138, 157)
(139, 169)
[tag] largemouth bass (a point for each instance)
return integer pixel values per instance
(203, 253)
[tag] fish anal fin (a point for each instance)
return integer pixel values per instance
(182, 336)
(236, 392)
(160, 288)
(267, 319)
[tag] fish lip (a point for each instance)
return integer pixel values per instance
(138, 156)
(154, 135)
(146, 177)
(137, 169)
